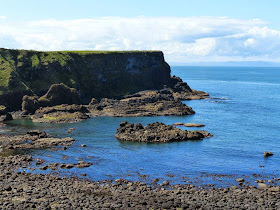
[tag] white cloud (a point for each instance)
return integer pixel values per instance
(182, 39)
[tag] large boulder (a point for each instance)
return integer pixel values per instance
(59, 94)
(156, 133)
(29, 104)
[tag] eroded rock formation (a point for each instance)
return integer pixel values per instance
(156, 133)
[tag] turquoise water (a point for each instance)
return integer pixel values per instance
(243, 116)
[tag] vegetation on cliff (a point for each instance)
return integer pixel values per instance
(92, 73)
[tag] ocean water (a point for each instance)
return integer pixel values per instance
(243, 115)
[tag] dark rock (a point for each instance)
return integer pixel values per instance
(156, 133)
(59, 94)
(68, 166)
(165, 183)
(267, 154)
(29, 104)
(4, 115)
(93, 102)
(83, 164)
(44, 167)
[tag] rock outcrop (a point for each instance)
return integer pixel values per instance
(32, 139)
(61, 114)
(156, 133)
(145, 103)
(57, 94)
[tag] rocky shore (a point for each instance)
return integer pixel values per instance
(32, 139)
(20, 190)
(61, 105)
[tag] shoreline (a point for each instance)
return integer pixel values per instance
(24, 190)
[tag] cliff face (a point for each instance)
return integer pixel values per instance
(92, 74)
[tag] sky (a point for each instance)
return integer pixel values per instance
(187, 31)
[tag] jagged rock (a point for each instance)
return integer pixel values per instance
(39, 134)
(82, 164)
(29, 104)
(59, 94)
(182, 91)
(267, 154)
(156, 133)
(93, 102)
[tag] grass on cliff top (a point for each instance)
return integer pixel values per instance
(86, 51)
(107, 52)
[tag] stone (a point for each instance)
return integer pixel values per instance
(178, 124)
(70, 130)
(241, 180)
(193, 125)
(68, 166)
(267, 154)
(165, 183)
(43, 167)
(262, 186)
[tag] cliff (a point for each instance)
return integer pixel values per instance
(96, 74)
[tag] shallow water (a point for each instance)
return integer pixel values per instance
(243, 116)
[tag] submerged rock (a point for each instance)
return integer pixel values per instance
(156, 133)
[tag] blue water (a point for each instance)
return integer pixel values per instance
(243, 116)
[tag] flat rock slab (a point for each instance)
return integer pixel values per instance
(156, 133)
(193, 125)
(47, 142)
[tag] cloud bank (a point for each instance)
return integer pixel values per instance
(182, 39)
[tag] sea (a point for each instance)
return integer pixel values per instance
(243, 114)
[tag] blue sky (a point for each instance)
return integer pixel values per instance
(187, 31)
